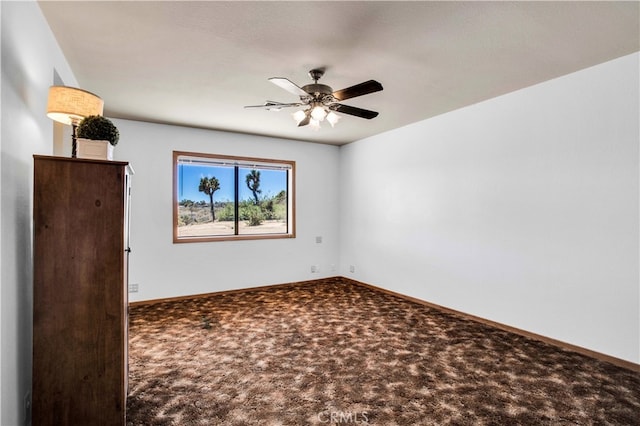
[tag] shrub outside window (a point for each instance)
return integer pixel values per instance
(221, 198)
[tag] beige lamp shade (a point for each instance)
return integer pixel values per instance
(69, 105)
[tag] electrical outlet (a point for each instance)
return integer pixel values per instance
(352, 269)
(314, 269)
(133, 287)
(319, 240)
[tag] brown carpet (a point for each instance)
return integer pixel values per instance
(332, 352)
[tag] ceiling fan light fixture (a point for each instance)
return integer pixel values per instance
(318, 113)
(333, 118)
(314, 124)
(299, 115)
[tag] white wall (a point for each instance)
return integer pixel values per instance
(522, 209)
(163, 269)
(29, 56)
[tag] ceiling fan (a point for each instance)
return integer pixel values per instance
(320, 101)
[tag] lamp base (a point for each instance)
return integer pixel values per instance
(74, 141)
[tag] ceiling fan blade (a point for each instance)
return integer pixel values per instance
(357, 90)
(358, 112)
(275, 106)
(288, 85)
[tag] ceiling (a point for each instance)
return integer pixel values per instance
(198, 64)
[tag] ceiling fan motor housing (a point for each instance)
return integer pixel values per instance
(318, 91)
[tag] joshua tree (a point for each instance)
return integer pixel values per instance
(209, 186)
(253, 183)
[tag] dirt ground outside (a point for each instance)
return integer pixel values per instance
(226, 228)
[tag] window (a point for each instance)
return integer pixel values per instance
(220, 198)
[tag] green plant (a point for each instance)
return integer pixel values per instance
(253, 214)
(185, 219)
(99, 128)
(227, 213)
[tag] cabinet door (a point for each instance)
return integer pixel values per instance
(79, 294)
(125, 269)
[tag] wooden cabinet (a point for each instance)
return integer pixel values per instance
(80, 213)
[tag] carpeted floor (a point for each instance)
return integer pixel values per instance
(338, 353)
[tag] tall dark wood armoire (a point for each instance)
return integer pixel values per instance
(80, 258)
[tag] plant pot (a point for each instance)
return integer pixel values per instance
(95, 150)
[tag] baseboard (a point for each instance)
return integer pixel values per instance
(558, 343)
(222, 292)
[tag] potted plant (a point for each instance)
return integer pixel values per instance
(97, 136)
